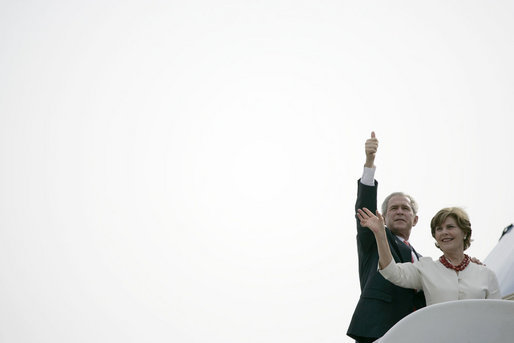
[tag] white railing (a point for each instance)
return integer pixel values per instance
(470, 321)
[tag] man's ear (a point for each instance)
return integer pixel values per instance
(415, 221)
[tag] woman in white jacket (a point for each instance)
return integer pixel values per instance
(453, 276)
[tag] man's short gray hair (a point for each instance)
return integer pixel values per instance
(413, 202)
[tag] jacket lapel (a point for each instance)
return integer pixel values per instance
(418, 255)
(403, 251)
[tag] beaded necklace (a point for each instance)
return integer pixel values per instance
(458, 268)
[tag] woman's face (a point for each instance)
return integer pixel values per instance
(449, 236)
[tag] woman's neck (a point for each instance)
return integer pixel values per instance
(454, 258)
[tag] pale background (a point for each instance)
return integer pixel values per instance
(185, 171)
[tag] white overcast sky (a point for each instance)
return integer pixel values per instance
(185, 171)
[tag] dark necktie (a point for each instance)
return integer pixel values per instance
(410, 248)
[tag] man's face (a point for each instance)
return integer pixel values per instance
(400, 217)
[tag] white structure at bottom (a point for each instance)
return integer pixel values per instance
(470, 321)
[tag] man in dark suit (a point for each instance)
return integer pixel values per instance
(382, 304)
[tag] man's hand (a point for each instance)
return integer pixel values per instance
(374, 222)
(371, 148)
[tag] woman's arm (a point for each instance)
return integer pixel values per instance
(401, 274)
(493, 291)
(376, 224)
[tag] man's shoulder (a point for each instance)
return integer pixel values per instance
(367, 240)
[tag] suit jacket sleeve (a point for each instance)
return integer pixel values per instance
(366, 244)
(366, 197)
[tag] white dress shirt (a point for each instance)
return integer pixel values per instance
(368, 176)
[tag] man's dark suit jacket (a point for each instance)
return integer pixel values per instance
(381, 304)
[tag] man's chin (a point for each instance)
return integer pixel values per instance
(400, 229)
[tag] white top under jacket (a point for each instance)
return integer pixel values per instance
(442, 284)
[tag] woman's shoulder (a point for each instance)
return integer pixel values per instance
(426, 259)
(481, 267)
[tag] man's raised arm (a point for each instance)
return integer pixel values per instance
(371, 148)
